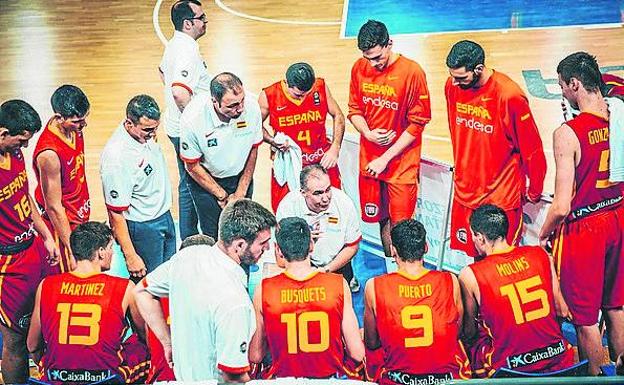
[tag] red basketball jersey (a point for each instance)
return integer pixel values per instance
(159, 369)
(593, 191)
(83, 325)
(303, 321)
(417, 322)
(75, 192)
(16, 225)
(518, 310)
(302, 120)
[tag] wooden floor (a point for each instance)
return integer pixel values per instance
(111, 50)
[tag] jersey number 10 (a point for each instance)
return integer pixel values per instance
(297, 336)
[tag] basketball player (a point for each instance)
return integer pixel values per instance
(415, 313)
(298, 107)
(389, 106)
(304, 317)
(59, 164)
(587, 215)
(496, 144)
(515, 292)
(78, 328)
(22, 253)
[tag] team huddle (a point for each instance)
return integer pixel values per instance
(187, 314)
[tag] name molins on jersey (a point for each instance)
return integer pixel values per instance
(516, 266)
(309, 294)
(15, 185)
(415, 291)
(80, 289)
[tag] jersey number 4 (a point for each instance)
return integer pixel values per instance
(297, 336)
(79, 314)
(524, 292)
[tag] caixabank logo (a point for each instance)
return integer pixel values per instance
(78, 375)
(528, 358)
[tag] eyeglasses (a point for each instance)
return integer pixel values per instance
(201, 18)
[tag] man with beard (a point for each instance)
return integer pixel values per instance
(220, 135)
(496, 144)
(212, 317)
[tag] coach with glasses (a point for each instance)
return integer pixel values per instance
(137, 189)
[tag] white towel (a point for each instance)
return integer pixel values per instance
(287, 164)
(616, 139)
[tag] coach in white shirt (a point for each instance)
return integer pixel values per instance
(212, 318)
(332, 218)
(137, 189)
(220, 134)
(184, 75)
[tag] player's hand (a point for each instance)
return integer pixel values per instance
(281, 146)
(544, 241)
(376, 167)
(381, 136)
(136, 266)
(234, 197)
(168, 354)
(54, 255)
(330, 158)
(563, 311)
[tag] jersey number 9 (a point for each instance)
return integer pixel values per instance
(418, 317)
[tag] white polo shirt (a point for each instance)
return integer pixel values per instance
(222, 148)
(182, 65)
(339, 224)
(212, 317)
(134, 177)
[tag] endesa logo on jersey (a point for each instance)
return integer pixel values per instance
(381, 95)
(475, 116)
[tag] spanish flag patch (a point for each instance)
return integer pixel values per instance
(332, 220)
(242, 124)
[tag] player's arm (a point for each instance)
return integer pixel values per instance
(458, 300)
(470, 295)
(206, 181)
(49, 243)
(331, 156)
(343, 257)
(181, 96)
(258, 344)
(565, 149)
(49, 167)
(530, 146)
(246, 175)
(233, 330)
(151, 311)
(371, 335)
(134, 262)
(34, 341)
(130, 308)
(561, 307)
(349, 326)
(377, 166)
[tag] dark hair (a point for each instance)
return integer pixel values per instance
(466, 54)
(223, 82)
(17, 116)
(244, 219)
(490, 221)
(300, 75)
(309, 171)
(582, 66)
(69, 101)
(142, 106)
(180, 11)
(197, 240)
(372, 33)
(409, 237)
(293, 238)
(87, 238)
